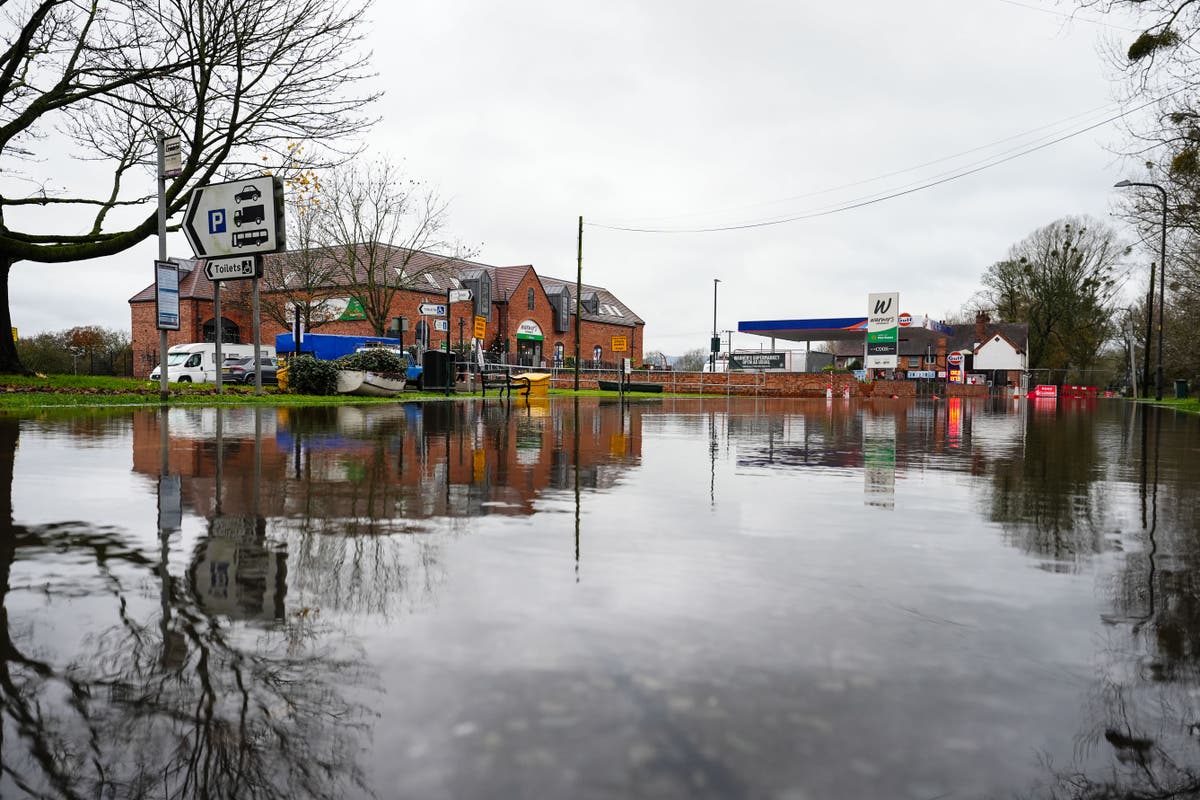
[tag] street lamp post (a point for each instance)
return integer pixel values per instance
(1162, 282)
(712, 353)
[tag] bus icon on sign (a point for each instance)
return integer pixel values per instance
(250, 238)
(216, 220)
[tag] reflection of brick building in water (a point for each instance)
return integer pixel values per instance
(380, 468)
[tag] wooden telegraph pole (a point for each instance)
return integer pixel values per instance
(578, 300)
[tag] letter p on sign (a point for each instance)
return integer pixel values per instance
(216, 220)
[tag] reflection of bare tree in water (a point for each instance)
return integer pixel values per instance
(196, 707)
(362, 574)
(1049, 494)
(1145, 708)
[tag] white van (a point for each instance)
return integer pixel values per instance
(197, 362)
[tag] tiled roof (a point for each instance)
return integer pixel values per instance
(964, 335)
(506, 279)
(609, 309)
(430, 272)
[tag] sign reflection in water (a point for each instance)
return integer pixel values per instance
(382, 601)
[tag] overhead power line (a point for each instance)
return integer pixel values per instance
(891, 195)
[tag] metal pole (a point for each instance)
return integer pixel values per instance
(219, 336)
(1149, 329)
(712, 355)
(1162, 294)
(1132, 355)
(257, 328)
(162, 256)
(1162, 287)
(578, 300)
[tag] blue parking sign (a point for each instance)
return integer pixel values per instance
(216, 220)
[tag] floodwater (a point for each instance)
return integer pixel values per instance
(676, 599)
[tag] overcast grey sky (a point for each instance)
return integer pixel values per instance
(672, 114)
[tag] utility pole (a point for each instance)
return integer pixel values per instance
(1149, 328)
(715, 343)
(578, 300)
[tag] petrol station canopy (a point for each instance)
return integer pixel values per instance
(831, 329)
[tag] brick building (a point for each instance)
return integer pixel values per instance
(529, 318)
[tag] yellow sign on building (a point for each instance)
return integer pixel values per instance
(620, 344)
(480, 327)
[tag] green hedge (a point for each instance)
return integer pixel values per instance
(307, 375)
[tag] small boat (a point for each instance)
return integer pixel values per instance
(369, 384)
(631, 386)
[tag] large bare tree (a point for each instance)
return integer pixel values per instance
(98, 81)
(385, 232)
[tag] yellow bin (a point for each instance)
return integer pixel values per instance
(539, 383)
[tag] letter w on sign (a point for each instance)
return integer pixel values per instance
(882, 306)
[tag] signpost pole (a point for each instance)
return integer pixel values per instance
(255, 326)
(220, 335)
(449, 372)
(162, 256)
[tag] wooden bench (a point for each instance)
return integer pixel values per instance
(503, 381)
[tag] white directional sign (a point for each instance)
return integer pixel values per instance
(229, 269)
(431, 310)
(441, 325)
(236, 219)
(460, 295)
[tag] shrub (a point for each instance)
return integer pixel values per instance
(377, 360)
(307, 375)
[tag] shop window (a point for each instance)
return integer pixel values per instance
(559, 352)
(597, 353)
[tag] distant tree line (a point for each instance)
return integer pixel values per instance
(83, 350)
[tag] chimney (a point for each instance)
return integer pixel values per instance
(981, 322)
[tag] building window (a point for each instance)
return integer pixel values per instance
(559, 350)
(914, 362)
(529, 298)
(597, 352)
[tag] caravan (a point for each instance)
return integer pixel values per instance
(197, 362)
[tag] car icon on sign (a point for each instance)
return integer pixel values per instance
(247, 193)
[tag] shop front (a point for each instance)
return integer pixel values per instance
(529, 344)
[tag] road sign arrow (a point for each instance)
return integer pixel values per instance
(431, 310)
(189, 231)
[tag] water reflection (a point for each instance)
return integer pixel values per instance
(149, 692)
(719, 599)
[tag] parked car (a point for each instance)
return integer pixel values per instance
(197, 361)
(242, 371)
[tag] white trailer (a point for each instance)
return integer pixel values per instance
(196, 362)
